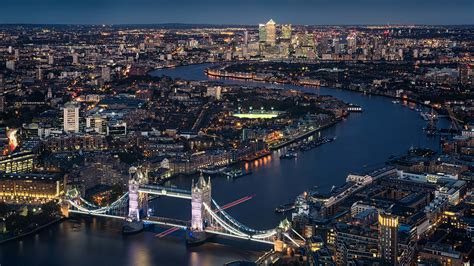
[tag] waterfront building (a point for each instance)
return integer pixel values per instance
(20, 162)
(71, 117)
(30, 188)
(388, 237)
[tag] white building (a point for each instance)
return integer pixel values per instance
(71, 117)
(214, 91)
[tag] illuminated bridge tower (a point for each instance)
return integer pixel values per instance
(137, 202)
(200, 195)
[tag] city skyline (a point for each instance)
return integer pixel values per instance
(366, 12)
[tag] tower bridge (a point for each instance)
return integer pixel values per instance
(207, 217)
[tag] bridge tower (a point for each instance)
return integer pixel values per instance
(200, 194)
(137, 202)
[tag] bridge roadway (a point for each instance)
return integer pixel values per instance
(167, 222)
(165, 191)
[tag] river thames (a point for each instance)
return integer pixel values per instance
(364, 141)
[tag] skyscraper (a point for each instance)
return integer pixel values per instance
(270, 28)
(106, 73)
(71, 117)
(286, 31)
(262, 33)
(388, 237)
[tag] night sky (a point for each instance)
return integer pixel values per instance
(315, 12)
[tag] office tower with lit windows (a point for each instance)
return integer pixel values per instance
(388, 237)
(71, 117)
(270, 29)
(262, 33)
(286, 31)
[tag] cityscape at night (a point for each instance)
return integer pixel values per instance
(236, 133)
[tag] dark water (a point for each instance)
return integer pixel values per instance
(364, 141)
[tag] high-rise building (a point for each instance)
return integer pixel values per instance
(10, 64)
(75, 59)
(270, 29)
(2, 101)
(106, 73)
(464, 73)
(388, 237)
(351, 43)
(246, 38)
(286, 31)
(71, 117)
(50, 59)
(39, 74)
(262, 33)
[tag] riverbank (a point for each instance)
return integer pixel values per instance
(307, 134)
(36, 230)
(253, 77)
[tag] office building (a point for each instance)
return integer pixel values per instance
(270, 29)
(388, 237)
(71, 117)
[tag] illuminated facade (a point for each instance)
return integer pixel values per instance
(21, 162)
(286, 32)
(137, 202)
(30, 188)
(200, 194)
(270, 29)
(71, 117)
(388, 237)
(262, 33)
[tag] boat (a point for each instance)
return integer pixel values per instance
(354, 108)
(429, 116)
(132, 227)
(213, 170)
(396, 101)
(285, 208)
(289, 155)
(237, 173)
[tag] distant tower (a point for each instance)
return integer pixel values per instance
(50, 59)
(286, 32)
(246, 38)
(49, 95)
(200, 195)
(388, 237)
(106, 73)
(262, 33)
(39, 74)
(75, 59)
(271, 32)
